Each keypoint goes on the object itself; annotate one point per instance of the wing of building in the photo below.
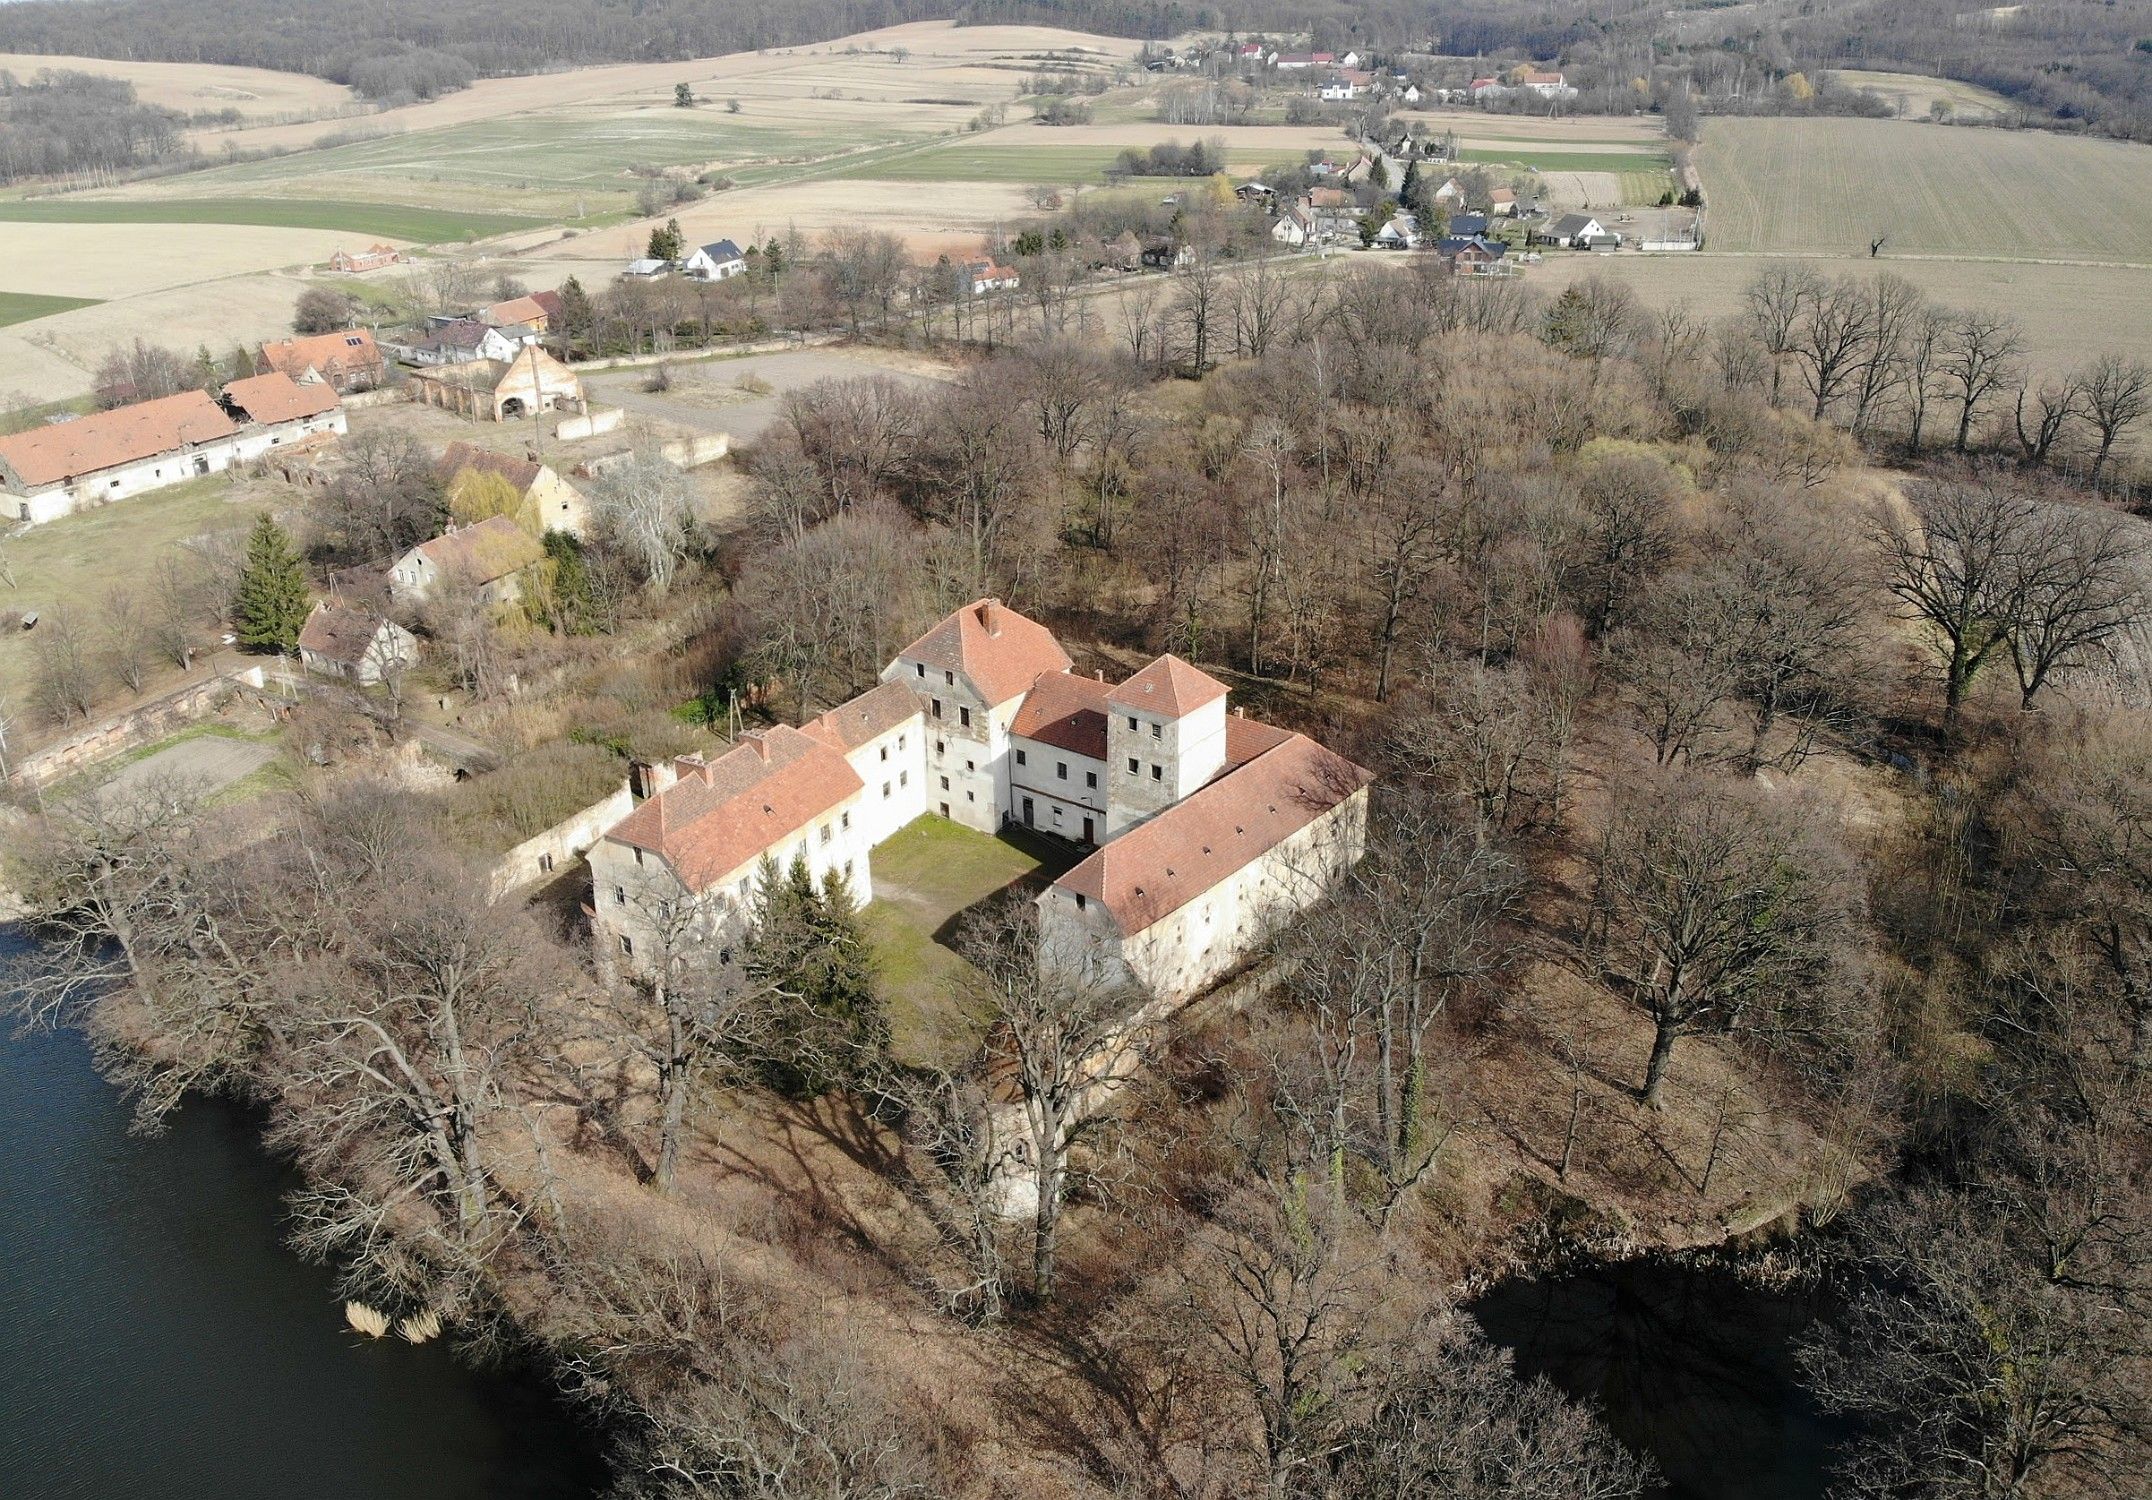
(1205, 829)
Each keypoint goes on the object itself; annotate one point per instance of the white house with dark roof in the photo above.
(720, 261)
(1207, 829)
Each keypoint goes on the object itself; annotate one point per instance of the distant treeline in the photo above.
(58, 122)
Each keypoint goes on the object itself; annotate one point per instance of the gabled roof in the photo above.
(1571, 224)
(459, 455)
(729, 812)
(464, 333)
(126, 434)
(1458, 244)
(340, 633)
(551, 302)
(1067, 712)
(867, 717)
(481, 554)
(1169, 688)
(341, 350)
(276, 397)
(1156, 868)
(1001, 652)
(515, 311)
(723, 250)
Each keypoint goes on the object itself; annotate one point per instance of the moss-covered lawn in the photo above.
(924, 878)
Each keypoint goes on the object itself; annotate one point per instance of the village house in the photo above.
(459, 341)
(489, 558)
(1338, 90)
(356, 645)
(1475, 255)
(1465, 226)
(501, 390)
(1451, 194)
(1577, 232)
(554, 504)
(372, 258)
(1294, 226)
(61, 467)
(1208, 828)
(1546, 85)
(984, 276)
(1400, 232)
(1167, 254)
(720, 261)
(348, 359)
(521, 318)
(1292, 62)
(1502, 201)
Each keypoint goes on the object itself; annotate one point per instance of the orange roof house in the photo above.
(1002, 653)
(348, 359)
(276, 397)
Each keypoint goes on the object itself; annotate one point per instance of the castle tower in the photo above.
(1165, 737)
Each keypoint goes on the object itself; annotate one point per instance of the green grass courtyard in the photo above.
(925, 877)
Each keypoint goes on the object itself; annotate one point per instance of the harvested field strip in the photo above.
(1053, 164)
(1568, 161)
(390, 220)
(1827, 186)
(21, 307)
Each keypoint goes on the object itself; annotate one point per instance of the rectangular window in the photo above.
(825, 833)
(1157, 730)
(904, 778)
(1020, 758)
(1132, 721)
(627, 944)
(1158, 772)
(900, 742)
(963, 716)
(920, 668)
(620, 895)
(1080, 902)
(885, 752)
(1061, 769)
(1132, 765)
(945, 783)
(1090, 779)
(937, 708)
(971, 765)
(885, 789)
(949, 678)
(638, 854)
(845, 819)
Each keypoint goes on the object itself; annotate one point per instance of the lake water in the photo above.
(1688, 1363)
(158, 1339)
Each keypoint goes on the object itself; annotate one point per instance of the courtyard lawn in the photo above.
(394, 221)
(21, 307)
(924, 878)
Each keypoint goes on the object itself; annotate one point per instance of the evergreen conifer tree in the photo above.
(808, 950)
(271, 606)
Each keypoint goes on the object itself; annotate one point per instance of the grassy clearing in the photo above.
(1644, 188)
(1825, 186)
(924, 877)
(21, 307)
(74, 562)
(390, 220)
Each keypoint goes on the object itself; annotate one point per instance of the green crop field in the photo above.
(1050, 164)
(21, 307)
(391, 220)
(1826, 186)
(1568, 161)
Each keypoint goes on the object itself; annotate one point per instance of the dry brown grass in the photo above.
(257, 93)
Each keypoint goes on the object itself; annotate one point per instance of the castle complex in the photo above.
(1205, 828)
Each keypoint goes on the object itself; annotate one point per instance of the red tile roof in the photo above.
(1168, 687)
(1002, 652)
(276, 397)
(1067, 712)
(126, 434)
(514, 313)
(867, 717)
(1156, 868)
(346, 349)
(725, 814)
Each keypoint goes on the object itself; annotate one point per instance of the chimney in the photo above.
(990, 615)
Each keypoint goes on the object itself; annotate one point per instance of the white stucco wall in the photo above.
(1060, 804)
(1195, 945)
(894, 767)
(1153, 761)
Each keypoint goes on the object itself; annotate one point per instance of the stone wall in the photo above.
(138, 726)
(542, 856)
(593, 422)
